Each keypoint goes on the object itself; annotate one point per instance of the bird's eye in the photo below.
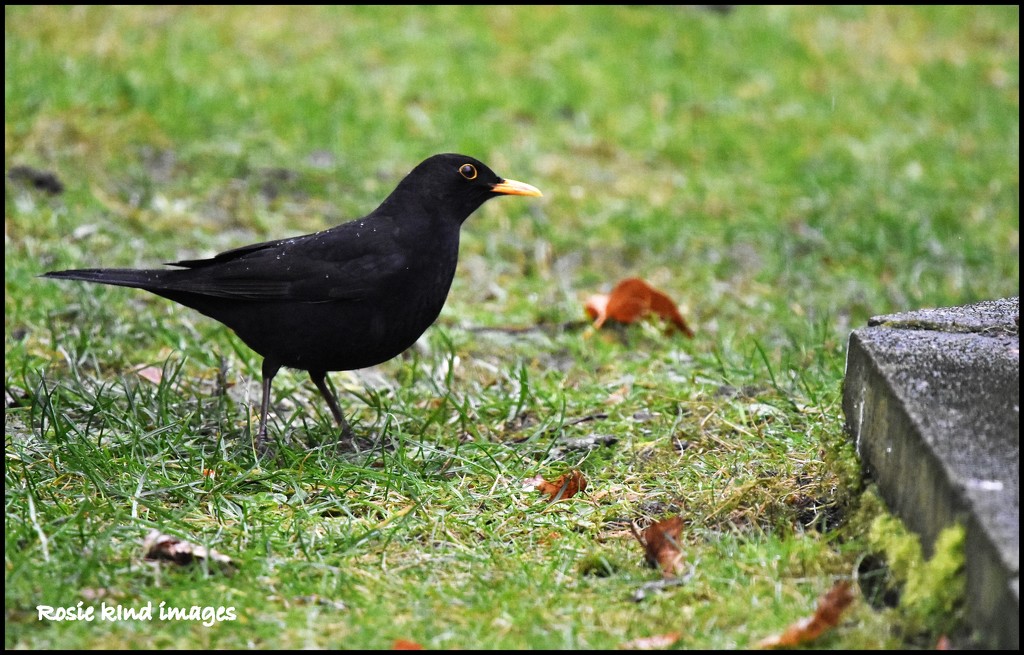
(468, 171)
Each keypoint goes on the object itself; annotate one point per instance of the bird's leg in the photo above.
(270, 369)
(320, 380)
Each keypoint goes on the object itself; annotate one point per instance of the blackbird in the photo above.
(348, 297)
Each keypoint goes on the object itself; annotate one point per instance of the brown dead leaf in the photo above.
(159, 546)
(631, 300)
(566, 486)
(826, 617)
(405, 644)
(656, 642)
(661, 545)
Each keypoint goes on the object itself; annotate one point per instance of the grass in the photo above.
(783, 173)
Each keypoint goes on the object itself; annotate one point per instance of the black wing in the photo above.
(348, 262)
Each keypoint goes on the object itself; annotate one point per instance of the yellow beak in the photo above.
(514, 188)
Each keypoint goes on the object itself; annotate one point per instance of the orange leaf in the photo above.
(631, 300)
(826, 617)
(661, 544)
(405, 644)
(596, 307)
(564, 487)
(652, 643)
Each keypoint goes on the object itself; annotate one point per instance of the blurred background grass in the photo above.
(845, 161)
(782, 172)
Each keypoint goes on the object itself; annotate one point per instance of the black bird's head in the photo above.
(457, 185)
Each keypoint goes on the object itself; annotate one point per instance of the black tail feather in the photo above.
(121, 277)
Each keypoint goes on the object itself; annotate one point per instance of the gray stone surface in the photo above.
(932, 399)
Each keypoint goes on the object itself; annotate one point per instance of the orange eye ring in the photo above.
(468, 171)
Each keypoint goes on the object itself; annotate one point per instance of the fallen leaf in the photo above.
(656, 642)
(631, 300)
(661, 545)
(405, 644)
(152, 374)
(159, 546)
(566, 486)
(826, 617)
